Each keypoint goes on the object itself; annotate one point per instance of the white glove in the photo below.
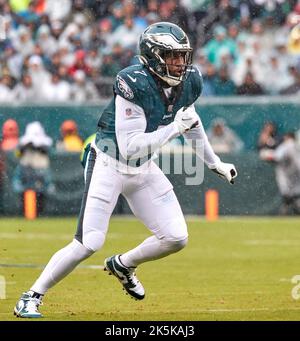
(225, 171)
(186, 119)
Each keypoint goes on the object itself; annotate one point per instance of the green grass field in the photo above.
(234, 269)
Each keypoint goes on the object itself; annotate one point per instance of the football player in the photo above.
(153, 103)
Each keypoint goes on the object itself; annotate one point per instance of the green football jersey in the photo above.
(137, 85)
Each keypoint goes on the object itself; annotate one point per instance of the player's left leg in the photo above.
(102, 188)
(152, 200)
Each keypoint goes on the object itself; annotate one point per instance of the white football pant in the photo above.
(151, 198)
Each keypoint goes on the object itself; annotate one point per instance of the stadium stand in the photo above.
(48, 42)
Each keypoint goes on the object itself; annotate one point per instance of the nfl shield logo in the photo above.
(128, 112)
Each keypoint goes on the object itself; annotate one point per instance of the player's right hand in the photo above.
(186, 119)
(226, 171)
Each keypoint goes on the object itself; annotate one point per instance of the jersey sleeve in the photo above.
(197, 138)
(129, 87)
(131, 124)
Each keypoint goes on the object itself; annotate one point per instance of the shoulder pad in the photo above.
(196, 80)
(132, 82)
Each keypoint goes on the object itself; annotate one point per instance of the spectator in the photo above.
(14, 61)
(209, 79)
(38, 74)
(33, 171)
(56, 29)
(268, 138)
(96, 40)
(10, 135)
(129, 33)
(25, 91)
(258, 34)
(64, 74)
(226, 12)
(249, 86)
(24, 44)
(82, 90)
(224, 86)
(67, 58)
(68, 34)
(284, 59)
(93, 60)
(173, 11)
(223, 139)
(287, 171)
(271, 82)
(109, 68)
(105, 33)
(46, 41)
(70, 140)
(201, 61)
(84, 30)
(54, 63)
(294, 88)
(225, 60)
(58, 9)
(116, 17)
(29, 15)
(217, 44)
(121, 57)
(249, 62)
(6, 93)
(294, 41)
(56, 90)
(80, 63)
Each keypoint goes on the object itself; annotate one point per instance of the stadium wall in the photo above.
(255, 191)
(246, 115)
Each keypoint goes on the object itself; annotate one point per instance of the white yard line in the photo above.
(223, 310)
(41, 266)
(200, 311)
(50, 236)
(30, 236)
(266, 242)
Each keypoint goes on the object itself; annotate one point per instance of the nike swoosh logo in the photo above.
(186, 119)
(120, 275)
(20, 306)
(133, 79)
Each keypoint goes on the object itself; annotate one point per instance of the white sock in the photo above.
(150, 249)
(60, 265)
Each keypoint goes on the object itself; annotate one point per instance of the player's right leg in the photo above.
(152, 200)
(102, 188)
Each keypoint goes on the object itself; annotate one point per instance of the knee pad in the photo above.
(93, 240)
(175, 234)
(175, 245)
(81, 251)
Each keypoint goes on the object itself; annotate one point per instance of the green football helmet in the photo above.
(160, 43)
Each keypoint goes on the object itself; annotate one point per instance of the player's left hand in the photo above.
(186, 119)
(226, 171)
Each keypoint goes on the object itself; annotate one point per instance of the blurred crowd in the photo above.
(70, 50)
(32, 150)
(284, 152)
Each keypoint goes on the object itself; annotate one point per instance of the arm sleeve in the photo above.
(131, 124)
(197, 138)
(280, 153)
